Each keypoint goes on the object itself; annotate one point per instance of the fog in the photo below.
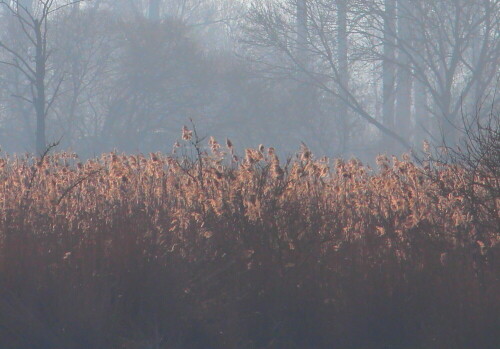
(345, 77)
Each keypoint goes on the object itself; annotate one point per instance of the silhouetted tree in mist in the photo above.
(33, 63)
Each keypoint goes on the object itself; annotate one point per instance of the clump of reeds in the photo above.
(221, 251)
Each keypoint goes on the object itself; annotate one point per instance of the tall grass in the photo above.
(211, 251)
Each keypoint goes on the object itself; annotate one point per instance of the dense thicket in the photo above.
(206, 250)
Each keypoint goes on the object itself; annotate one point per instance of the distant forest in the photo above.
(346, 77)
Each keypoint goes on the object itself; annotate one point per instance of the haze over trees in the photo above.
(345, 77)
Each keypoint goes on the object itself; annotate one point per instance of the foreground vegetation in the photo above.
(205, 250)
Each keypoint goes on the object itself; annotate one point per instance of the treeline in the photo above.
(209, 249)
(346, 77)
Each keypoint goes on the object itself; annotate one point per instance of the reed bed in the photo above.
(203, 249)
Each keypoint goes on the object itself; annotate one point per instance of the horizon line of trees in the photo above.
(347, 77)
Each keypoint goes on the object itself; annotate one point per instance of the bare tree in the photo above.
(271, 27)
(389, 68)
(435, 53)
(404, 78)
(344, 76)
(86, 54)
(33, 21)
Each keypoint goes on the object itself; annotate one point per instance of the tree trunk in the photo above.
(303, 92)
(448, 122)
(40, 97)
(423, 121)
(301, 31)
(389, 71)
(404, 78)
(476, 47)
(343, 71)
